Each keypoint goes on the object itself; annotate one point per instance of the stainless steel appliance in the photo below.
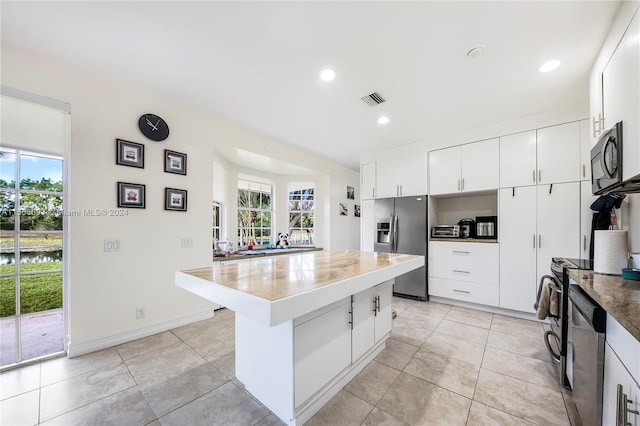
(467, 228)
(445, 231)
(401, 227)
(606, 161)
(487, 227)
(585, 355)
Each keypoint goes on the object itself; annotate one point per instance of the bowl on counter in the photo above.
(631, 274)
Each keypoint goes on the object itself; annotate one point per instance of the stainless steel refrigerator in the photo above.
(401, 227)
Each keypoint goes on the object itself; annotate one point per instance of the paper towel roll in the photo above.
(610, 252)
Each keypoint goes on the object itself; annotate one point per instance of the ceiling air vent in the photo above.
(373, 99)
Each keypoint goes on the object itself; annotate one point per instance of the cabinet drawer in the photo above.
(465, 269)
(479, 252)
(467, 291)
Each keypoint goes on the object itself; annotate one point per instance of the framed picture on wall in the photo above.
(175, 162)
(356, 210)
(351, 193)
(131, 195)
(175, 199)
(129, 154)
(343, 209)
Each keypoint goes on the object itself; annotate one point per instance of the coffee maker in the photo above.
(487, 227)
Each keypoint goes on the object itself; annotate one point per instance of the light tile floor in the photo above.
(444, 365)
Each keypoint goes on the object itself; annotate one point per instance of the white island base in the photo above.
(296, 367)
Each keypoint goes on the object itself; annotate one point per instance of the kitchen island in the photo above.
(306, 324)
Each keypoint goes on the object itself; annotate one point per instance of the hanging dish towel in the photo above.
(547, 302)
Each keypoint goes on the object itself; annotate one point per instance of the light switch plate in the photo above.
(187, 242)
(111, 245)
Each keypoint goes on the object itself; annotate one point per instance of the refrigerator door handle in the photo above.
(394, 248)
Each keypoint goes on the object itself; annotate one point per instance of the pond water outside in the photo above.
(31, 257)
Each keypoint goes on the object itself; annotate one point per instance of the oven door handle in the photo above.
(547, 334)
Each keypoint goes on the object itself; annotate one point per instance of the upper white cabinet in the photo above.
(548, 155)
(621, 99)
(368, 181)
(402, 172)
(559, 153)
(585, 151)
(466, 168)
(518, 159)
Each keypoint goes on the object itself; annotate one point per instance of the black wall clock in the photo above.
(153, 127)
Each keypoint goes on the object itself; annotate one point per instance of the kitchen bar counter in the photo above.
(306, 324)
(619, 297)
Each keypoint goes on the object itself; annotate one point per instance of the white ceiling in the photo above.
(258, 63)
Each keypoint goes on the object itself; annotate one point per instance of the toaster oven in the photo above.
(445, 231)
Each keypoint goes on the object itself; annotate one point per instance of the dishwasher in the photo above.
(585, 351)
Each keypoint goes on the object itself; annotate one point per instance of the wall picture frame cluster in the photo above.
(133, 195)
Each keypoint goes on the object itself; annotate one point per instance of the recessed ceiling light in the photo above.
(549, 66)
(383, 119)
(328, 74)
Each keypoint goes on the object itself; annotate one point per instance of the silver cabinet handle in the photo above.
(622, 408)
(460, 252)
(584, 170)
(534, 240)
(534, 176)
(461, 291)
(463, 184)
(595, 122)
(539, 175)
(584, 244)
(460, 272)
(351, 316)
(375, 307)
(458, 184)
(373, 192)
(400, 189)
(539, 241)
(378, 303)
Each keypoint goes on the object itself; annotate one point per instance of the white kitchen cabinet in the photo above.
(585, 151)
(614, 409)
(535, 223)
(371, 316)
(518, 159)
(558, 153)
(466, 168)
(586, 217)
(621, 95)
(401, 172)
(322, 349)
(517, 231)
(596, 119)
(367, 225)
(368, 181)
(464, 271)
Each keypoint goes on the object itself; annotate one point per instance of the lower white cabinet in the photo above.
(620, 394)
(464, 271)
(371, 316)
(322, 349)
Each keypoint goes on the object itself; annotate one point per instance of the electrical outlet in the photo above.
(111, 245)
(141, 312)
(187, 242)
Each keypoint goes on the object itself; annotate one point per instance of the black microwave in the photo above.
(606, 161)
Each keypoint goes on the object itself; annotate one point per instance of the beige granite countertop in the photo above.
(619, 297)
(277, 277)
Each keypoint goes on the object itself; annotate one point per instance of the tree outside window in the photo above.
(301, 217)
(254, 213)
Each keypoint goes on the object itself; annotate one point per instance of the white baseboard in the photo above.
(77, 349)
(486, 308)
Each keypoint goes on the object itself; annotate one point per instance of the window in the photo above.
(254, 213)
(301, 217)
(217, 207)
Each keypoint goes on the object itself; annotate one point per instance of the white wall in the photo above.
(105, 288)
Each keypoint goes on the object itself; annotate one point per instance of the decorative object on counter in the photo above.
(283, 240)
(175, 199)
(129, 154)
(175, 162)
(631, 274)
(131, 195)
(250, 244)
(223, 249)
(356, 210)
(610, 252)
(153, 127)
(351, 193)
(343, 209)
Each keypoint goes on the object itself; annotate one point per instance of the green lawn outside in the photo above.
(32, 241)
(39, 292)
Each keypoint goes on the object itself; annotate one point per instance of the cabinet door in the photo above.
(411, 170)
(595, 106)
(615, 373)
(585, 151)
(480, 165)
(368, 181)
(444, 171)
(621, 86)
(586, 216)
(362, 335)
(387, 182)
(367, 225)
(518, 159)
(517, 232)
(559, 153)
(322, 349)
(558, 222)
(383, 319)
